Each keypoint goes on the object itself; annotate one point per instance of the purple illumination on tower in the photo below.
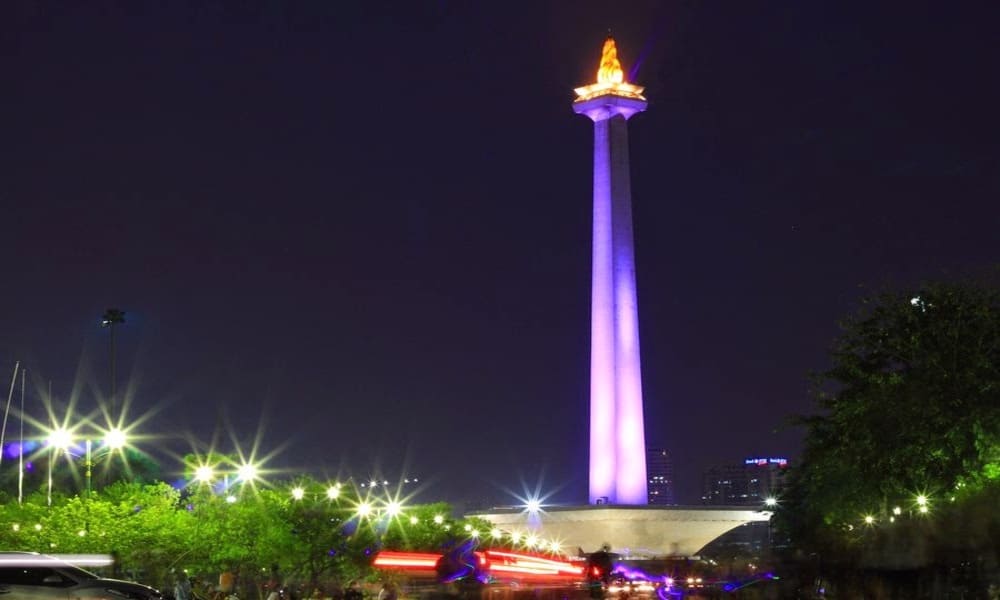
(617, 435)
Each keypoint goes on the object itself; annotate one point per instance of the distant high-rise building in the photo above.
(751, 482)
(660, 476)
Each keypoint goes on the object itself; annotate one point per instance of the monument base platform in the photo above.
(632, 531)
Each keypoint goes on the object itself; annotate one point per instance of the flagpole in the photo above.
(20, 447)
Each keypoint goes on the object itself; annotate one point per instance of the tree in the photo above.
(910, 431)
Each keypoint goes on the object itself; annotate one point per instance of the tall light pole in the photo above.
(112, 317)
(59, 440)
(114, 440)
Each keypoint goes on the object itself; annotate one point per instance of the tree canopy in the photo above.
(910, 421)
(314, 537)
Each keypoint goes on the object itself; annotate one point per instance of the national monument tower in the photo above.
(617, 438)
(617, 434)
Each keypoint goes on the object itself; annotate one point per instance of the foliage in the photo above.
(911, 409)
(156, 531)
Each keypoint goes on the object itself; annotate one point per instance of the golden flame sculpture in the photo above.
(610, 78)
(610, 70)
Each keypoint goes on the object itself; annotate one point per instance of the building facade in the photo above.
(749, 483)
(660, 474)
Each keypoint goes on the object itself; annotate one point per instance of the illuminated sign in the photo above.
(763, 462)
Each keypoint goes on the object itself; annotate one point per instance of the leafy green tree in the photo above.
(69, 470)
(910, 428)
(313, 536)
(313, 544)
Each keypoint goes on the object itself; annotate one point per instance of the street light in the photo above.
(59, 439)
(204, 474)
(393, 508)
(247, 472)
(114, 440)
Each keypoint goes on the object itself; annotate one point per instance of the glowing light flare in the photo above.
(869, 520)
(771, 502)
(496, 533)
(115, 439)
(393, 508)
(204, 474)
(493, 561)
(498, 557)
(364, 509)
(533, 505)
(409, 560)
(921, 500)
(438, 519)
(333, 492)
(525, 570)
(247, 472)
(60, 438)
(298, 493)
(80, 560)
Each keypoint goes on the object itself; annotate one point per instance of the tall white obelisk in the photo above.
(617, 434)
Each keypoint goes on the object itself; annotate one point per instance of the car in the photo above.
(32, 576)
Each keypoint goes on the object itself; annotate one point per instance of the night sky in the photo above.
(360, 232)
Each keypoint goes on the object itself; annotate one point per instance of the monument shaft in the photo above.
(617, 435)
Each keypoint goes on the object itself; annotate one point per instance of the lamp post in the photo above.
(59, 439)
(113, 440)
(112, 317)
(206, 474)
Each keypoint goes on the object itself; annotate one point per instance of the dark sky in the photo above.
(363, 228)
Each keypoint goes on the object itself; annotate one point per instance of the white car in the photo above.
(30, 576)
